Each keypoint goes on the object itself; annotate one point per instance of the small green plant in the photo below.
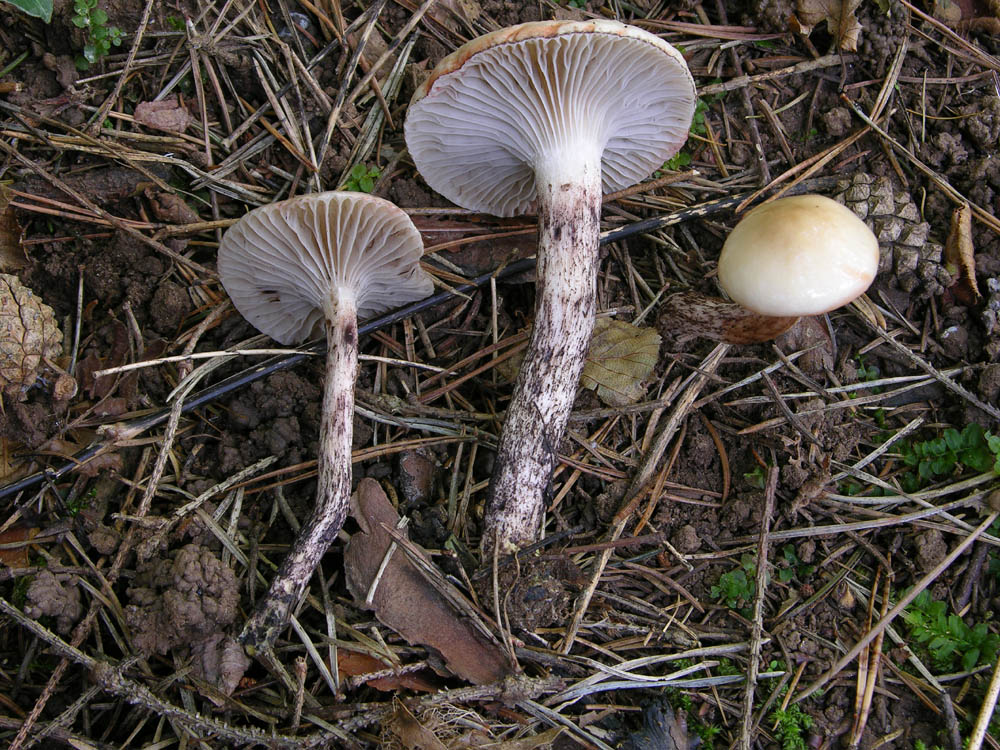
(698, 121)
(790, 725)
(736, 588)
(867, 373)
(82, 502)
(948, 639)
(792, 566)
(362, 179)
(678, 161)
(37, 8)
(100, 36)
(972, 448)
(756, 478)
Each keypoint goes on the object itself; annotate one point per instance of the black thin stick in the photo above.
(282, 362)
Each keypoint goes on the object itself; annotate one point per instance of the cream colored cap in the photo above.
(802, 255)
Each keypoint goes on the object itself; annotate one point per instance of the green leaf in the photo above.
(367, 184)
(970, 659)
(953, 439)
(98, 17)
(35, 8)
(90, 53)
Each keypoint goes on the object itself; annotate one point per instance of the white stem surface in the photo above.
(569, 210)
(334, 491)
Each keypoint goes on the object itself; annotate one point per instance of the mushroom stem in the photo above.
(569, 209)
(334, 490)
(688, 315)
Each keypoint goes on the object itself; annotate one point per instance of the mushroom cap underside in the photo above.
(282, 263)
(479, 126)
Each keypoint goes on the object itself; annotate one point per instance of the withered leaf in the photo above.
(960, 255)
(171, 208)
(621, 357)
(689, 315)
(411, 733)
(14, 546)
(409, 598)
(170, 115)
(12, 255)
(839, 17)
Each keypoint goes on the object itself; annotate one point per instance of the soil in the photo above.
(144, 287)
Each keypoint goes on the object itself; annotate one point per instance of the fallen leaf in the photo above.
(411, 733)
(621, 357)
(688, 315)
(839, 17)
(171, 208)
(170, 115)
(412, 597)
(16, 556)
(12, 255)
(960, 255)
(354, 663)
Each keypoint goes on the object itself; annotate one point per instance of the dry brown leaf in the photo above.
(621, 357)
(839, 17)
(12, 255)
(411, 733)
(16, 556)
(960, 255)
(170, 115)
(409, 598)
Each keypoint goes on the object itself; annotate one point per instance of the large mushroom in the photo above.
(548, 115)
(294, 269)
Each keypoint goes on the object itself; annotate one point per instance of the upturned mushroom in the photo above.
(294, 269)
(548, 115)
(796, 256)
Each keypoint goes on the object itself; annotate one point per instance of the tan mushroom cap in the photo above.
(802, 255)
(281, 263)
(489, 111)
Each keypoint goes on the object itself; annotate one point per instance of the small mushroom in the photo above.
(796, 256)
(293, 269)
(548, 115)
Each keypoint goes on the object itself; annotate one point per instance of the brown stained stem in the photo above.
(569, 209)
(334, 491)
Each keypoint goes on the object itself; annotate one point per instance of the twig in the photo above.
(986, 712)
(645, 473)
(757, 628)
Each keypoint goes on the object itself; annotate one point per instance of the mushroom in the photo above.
(548, 114)
(792, 257)
(292, 269)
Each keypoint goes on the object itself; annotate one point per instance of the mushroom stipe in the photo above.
(290, 268)
(548, 114)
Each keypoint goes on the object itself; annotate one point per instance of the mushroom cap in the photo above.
(802, 255)
(489, 111)
(281, 264)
